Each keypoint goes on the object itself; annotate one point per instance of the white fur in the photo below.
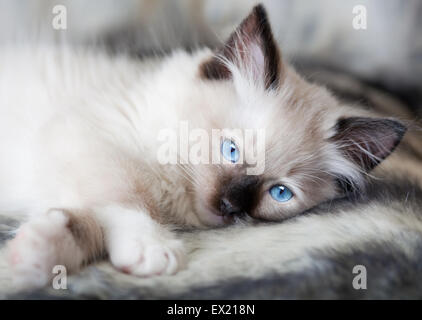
(78, 131)
(32, 256)
(138, 245)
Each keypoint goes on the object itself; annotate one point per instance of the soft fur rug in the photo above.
(311, 257)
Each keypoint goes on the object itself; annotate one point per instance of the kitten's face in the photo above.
(308, 148)
(296, 157)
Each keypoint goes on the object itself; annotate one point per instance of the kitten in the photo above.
(79, 133)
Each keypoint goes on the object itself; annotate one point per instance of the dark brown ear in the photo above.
(251, 46)
(368, 141)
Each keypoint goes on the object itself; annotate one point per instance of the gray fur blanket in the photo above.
(312, 256)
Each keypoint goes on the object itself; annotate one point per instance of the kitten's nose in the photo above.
(238, 195)
(227, 208)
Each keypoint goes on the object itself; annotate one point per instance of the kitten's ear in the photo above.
(250, 48)
(368, 141)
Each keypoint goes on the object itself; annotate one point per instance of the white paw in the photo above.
(37, 248)
(148, 257)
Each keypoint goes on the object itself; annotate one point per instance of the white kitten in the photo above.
(79, 138)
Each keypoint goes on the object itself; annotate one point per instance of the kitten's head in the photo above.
(314, 148)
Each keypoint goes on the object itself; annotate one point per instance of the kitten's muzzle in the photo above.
(227, 208)
(238, 196)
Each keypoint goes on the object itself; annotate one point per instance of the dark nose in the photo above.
(227, 208)
(238, 195)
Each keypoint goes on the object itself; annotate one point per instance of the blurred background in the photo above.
(388, 52)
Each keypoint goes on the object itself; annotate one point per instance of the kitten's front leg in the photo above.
(137, 244)
(56, 237)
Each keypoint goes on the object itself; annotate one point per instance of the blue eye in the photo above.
(281, 193)
(230, 151)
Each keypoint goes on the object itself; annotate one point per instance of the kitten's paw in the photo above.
(149, 257)
(38, 246)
